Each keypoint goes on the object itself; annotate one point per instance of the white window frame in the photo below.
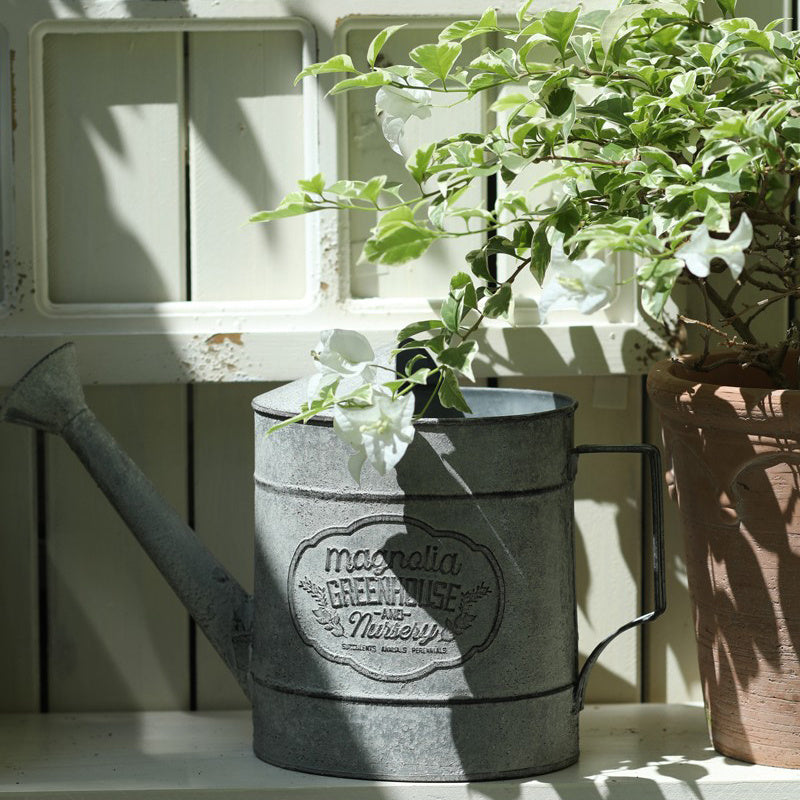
(199, 341)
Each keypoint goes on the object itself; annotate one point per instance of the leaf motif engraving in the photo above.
(328, 619)
(455, 626)
(323, 615)
(317, 592)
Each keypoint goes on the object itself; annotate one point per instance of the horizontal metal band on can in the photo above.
(325, 419)
(399, 496)
(407, 701)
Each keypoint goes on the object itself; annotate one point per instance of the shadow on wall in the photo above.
(102, 200)
(610, 520)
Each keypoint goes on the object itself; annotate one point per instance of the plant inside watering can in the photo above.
(668, 136)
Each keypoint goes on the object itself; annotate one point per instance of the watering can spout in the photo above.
(49, 398)
(49, 395)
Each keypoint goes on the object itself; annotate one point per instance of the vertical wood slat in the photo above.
(607, 526)
(246, 146)
(19, 609)
(224, 517)
(671, 656)
(114, 167)
(118, 638)
(369, 154)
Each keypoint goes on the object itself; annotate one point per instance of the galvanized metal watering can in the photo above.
(420, 626)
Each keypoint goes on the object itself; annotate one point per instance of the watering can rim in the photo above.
(564, 405)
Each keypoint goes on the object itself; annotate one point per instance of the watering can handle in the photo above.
(653, 458)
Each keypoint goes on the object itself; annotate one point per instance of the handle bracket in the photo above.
(653, 458)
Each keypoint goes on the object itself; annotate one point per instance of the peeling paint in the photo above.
(330, 273)
(16, 284)
(221, 338)
(218, 358)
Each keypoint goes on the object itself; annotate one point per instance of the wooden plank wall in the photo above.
(113, 637)
(19, 571)
(86, 621)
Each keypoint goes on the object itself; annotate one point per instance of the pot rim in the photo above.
(565, 405)
(700, 403)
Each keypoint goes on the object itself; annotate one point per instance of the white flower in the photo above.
(344, 352)
(379, 433)
(585, 284)
(701, 248)
(395, 106)
(341, 355)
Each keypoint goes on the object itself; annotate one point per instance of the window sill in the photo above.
(627, 751)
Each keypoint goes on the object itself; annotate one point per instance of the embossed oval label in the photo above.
(393, 598)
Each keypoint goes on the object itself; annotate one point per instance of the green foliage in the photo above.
(340, 63)
(450, 395)
(398, 238)
(437, 58)
(376, 45)
(656, 124)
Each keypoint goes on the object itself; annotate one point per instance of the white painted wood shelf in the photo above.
(636, 752)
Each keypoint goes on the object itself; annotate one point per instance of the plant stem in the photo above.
(729, 314)
(510, 280)
(434, 393)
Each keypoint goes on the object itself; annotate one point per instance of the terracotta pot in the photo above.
(733, 461)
